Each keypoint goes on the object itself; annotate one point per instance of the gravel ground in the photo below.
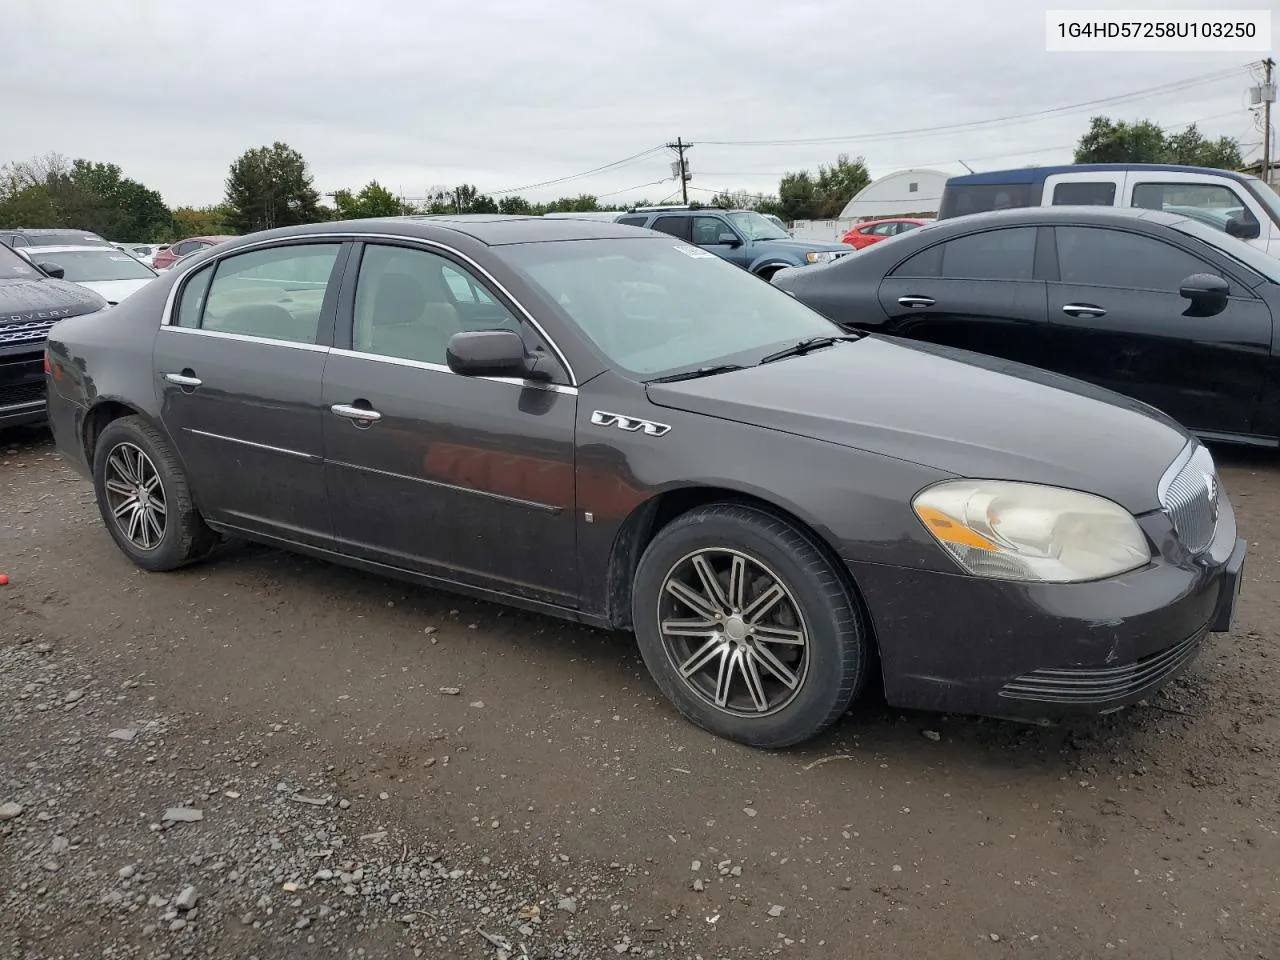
(264, 756)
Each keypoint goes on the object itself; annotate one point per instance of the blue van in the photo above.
(1236, 203)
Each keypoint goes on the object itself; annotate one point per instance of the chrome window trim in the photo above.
(166, 318)
(441, 368)
(310, 457)
(247, 338)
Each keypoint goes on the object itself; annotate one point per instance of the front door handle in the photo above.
(915, 301)
(183, 379)
(1086, 311)
(363, 416)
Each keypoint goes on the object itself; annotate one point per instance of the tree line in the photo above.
(272, 186)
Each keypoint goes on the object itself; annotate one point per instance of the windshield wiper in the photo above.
(695, 374)
(804, 346)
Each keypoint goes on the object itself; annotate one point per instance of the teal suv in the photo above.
(743, 237)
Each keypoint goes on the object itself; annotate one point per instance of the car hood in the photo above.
(115, 290)
(803, 246)
(966, 414)
(45, 299)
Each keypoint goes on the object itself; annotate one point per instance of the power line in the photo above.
(994, 121)
(586, 173)
(638, 186)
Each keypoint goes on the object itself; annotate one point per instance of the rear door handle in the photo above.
(915, 301)
(1086, 311)
(183, 380)
(363, 416)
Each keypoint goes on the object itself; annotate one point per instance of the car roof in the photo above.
(490, 229)
(1037, 174)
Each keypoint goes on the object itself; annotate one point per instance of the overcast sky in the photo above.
(502, 93)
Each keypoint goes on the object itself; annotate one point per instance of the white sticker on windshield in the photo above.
(122, 259)
(694, 252)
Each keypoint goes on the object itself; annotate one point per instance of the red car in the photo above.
(873, 231)
(167, 258)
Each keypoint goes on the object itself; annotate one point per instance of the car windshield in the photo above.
(1236, 249)
(15, 267)
(655, 307)
(1266, 196)
(756, 227)
(90, 265)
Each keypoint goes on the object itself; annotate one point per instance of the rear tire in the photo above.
(144, 497)
(746, 626)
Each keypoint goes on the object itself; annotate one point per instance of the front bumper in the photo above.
(961, 644)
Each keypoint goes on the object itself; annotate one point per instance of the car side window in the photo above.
(632, 221)
(884, 229)
(992, 255)
(707, 230)
(179, 249)
(676, 226)
(1115, 258)
(1085, 193)
(1210, 203)
(406, 307)
(191, 304)
(925, 264)
(463, 288)
(276, 293)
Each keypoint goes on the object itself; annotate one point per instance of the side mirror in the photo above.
(1207, 293)
(488, 353)
(52, 269)
(1244, 229)
(729, 239)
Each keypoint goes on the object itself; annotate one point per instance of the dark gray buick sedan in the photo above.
(613, 426)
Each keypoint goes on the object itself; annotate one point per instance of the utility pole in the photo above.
(680, 147)
(1268, 95)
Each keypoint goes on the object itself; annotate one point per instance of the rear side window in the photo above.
(992, 255)
(191, 303)
(632, 221)
(1114, 258)
(968, 198)
(926, 263)
(1085, 193)
(676, 226)
(275, 294)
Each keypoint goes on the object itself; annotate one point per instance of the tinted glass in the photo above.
(1113, 258)
(104, 264)
(406, 306)
(707, 230)
(633, 221)
(676, 226)
(192, 300)
(980, 197)
(654, 307)
(14, 266)
(993, 255)
(926, 263)
(276, 293)
(1085, 194)
(1209, 203)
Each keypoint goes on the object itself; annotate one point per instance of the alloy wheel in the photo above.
(734, 632)
(135, 496)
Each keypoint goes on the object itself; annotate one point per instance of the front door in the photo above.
(977, 292)
(1120, 322)
(239, 371)
(467, 479)
(708, 231)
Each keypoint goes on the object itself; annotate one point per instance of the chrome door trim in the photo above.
(441, 368)
(246, 338)
(310, 457)
(166, 318)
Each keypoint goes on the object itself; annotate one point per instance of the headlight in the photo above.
(821, 256)
(1026, 531)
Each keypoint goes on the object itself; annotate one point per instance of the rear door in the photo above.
(977, 292)
(1120, 322)
(238, 369)
(675, 226)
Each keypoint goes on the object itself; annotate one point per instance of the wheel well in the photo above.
(96, 421)
(768, 270)
(639, 529)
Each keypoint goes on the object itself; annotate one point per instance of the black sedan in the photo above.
(31, 301)
(1154, 305)
(609, 425)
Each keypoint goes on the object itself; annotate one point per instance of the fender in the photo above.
(771, 262)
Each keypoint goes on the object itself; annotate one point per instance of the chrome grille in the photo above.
(1189, 495)
(22, 332)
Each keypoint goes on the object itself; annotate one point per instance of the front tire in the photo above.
(144, 497)
(746, 626)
